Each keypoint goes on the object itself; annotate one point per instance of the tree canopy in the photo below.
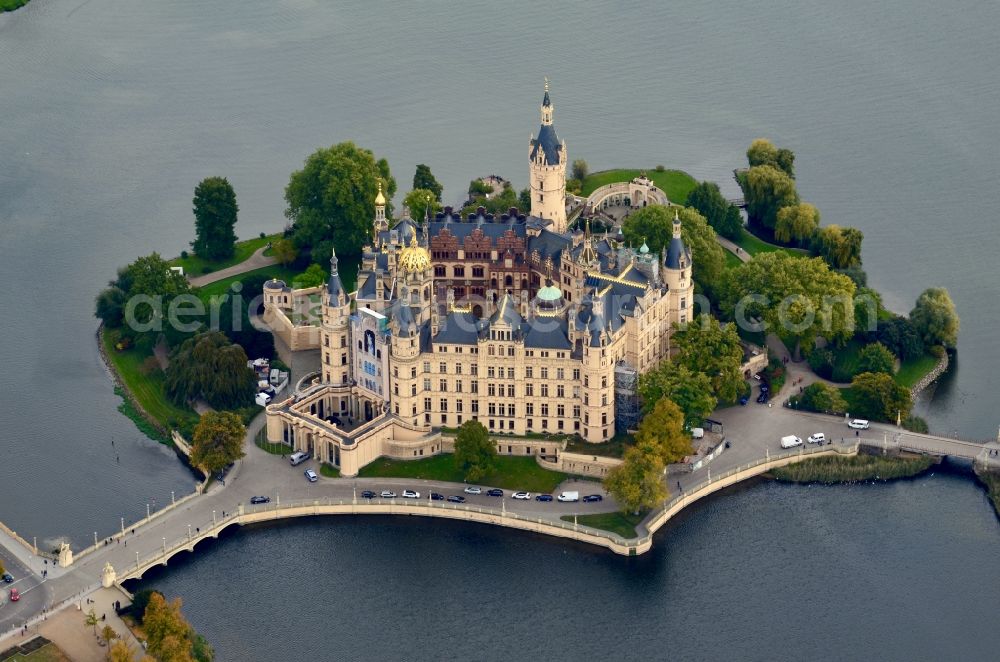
(763, 152)
(215, 211)
(875, 357)
(689, 390)
(822, 397)
(475, 453)
(877, 396)
(654, 225)
(284, 251)
(499, 202)
(796, 297)
(423, 179)
(663, 428)
(724, 218)
(637, 483)
(840, 247)
(331, 200)
(313, 276)
(796, 223)
(209, 367)
(580, 170)
(218, 441)
(934, 317)
(767, 189)
(705, 345)
(422, 204)
(900, 336)
(169, 637)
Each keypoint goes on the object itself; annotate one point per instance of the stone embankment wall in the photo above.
(928, 379)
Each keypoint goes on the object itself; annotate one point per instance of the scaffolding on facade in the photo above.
(626, 398)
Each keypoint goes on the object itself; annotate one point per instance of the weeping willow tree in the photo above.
(208, 367)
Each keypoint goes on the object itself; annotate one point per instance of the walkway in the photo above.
(733, 248)
(256, 261)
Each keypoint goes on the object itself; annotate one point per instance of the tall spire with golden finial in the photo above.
(380, 222)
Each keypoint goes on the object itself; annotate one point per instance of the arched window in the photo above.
(508, 281)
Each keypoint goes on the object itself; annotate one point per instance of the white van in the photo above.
(568, 496)
(858, 424)
(263, 399)
(697, 433)
(791, 441)
(298, 457)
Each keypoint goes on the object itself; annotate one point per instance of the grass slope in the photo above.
(830, 470)
(754, 245)
(912, 371)
(622, 524)
(196, 266)
(512, 473)
(677, 184)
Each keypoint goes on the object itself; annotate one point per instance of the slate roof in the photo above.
(549, 143)
(459, 328)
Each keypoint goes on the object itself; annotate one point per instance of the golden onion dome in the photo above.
(413, 258)
(380, 199)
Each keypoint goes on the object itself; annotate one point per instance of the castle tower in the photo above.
(381, 224)
(547, 170)
(335, 330)
(677, 276)
(417, 281)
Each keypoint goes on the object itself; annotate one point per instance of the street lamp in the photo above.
(147, 511)
(95, 538)
(123, 526)
(189, 532)
(164, 544)
(171, 497)
(137, 561)
(213, 518)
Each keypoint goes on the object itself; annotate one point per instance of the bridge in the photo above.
(753, 433)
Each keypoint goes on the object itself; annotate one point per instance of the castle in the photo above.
(511, 320)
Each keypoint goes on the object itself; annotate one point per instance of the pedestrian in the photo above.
(126, 543)
(112, 442)
(104, 617)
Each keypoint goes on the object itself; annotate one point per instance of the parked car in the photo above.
(411, 494)
(387, 494)
(437, 497)
(757, 376)
(311, 475)
(15, 595)
(260, 499)
(524, 496)
(817, 438)
(456, 499)
(367, 494)
(7, 577)
(858, 424)
(590, 498)
(473, 490)
(543, 497)
(762, 398)
(298, 457)
(569, 496)
(790, 441)
(495, 492)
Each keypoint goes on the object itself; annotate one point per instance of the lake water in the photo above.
(113, 110)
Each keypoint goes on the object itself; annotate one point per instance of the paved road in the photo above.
(255, 261)
(33, 589)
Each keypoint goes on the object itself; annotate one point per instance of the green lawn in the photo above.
(675, 183)
(272, 271)
(753, 245)
(147, 389)
(196, 266)
(47, 653)
(912, 371)
(512, 473)
(621, 524)
(329, 470)
(732, 260)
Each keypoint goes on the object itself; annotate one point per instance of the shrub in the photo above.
(821, 362)
(206, 269)
(660, 168)
(184, 255)
(914, 423)
(263, 235)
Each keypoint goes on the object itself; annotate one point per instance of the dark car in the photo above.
(495, 492)
(367, 494)
(543, 497)
(592, 497)
(456, 499)
(7, 577)
(764, 388)
(762, 398)
(260, 499)
(437, 497)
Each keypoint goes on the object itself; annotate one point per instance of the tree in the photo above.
(423, 179)
(901, 337)
(705, 345)
(92, 620)
(215, 211)
(654, 225)
(868, 308)
(580, 169)
(799, 298)
(767, 189)
(166, 629)
(108, 634)
(822, 398)
(121, 651)
(663, 428)
(637, 483)
(218, 441)
(879, 397)
(284, 251)
(331, 200)
(209, 367)
(139, 603)
(763, 152)
(876, 358)
(934, 317)
(314, 276)
(475, 453)
(840, 247)
(691, 391)
(422, 204)
(796, 223)
(722, 216)
(110, 306)
(524, 200)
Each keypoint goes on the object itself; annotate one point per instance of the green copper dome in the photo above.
(644, 249)
(549, 293)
